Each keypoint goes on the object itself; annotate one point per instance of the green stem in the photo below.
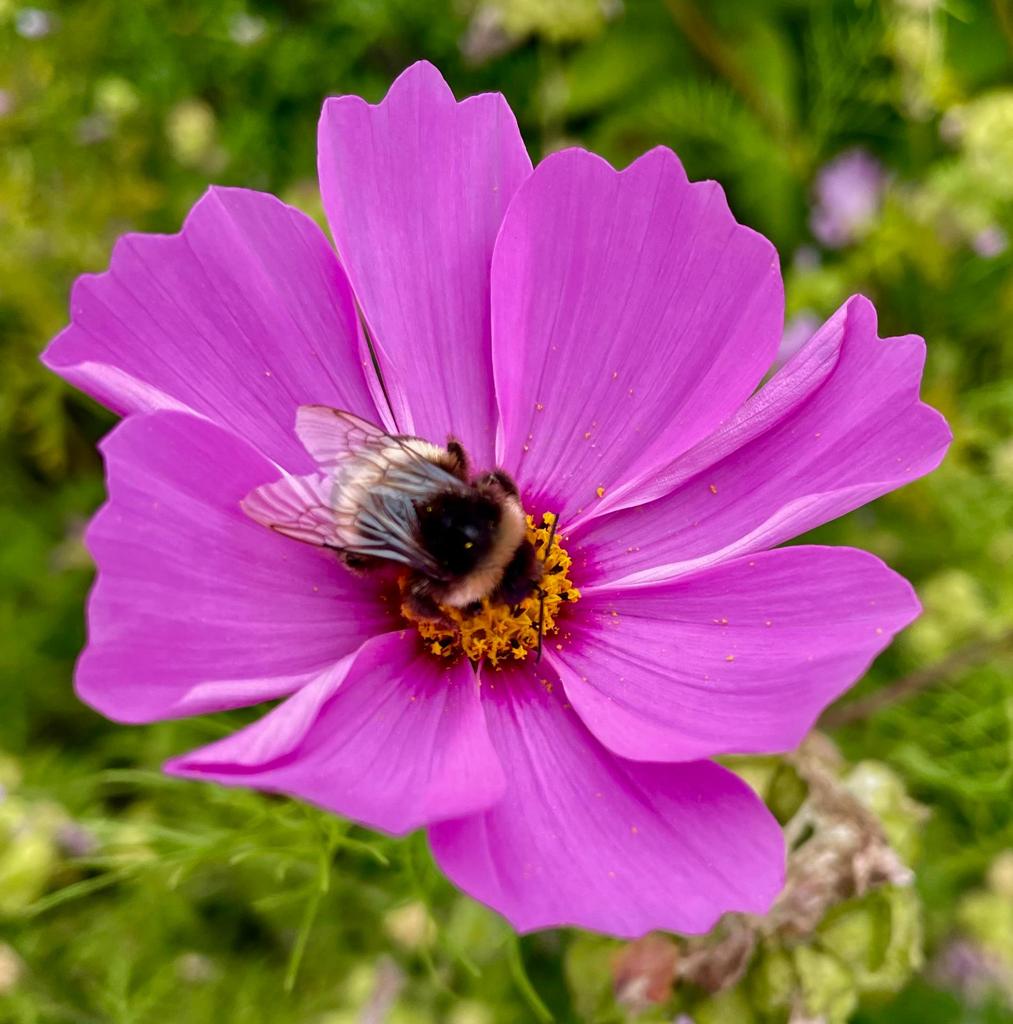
(977, 651)
(312, 908)
(523, 982)
(299, 949)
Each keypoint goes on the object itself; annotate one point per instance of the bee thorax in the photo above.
(487, 573)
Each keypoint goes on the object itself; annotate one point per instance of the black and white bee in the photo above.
(379, 499)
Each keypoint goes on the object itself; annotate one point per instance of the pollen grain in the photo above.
(498, 633)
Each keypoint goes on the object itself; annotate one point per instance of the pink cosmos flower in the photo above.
(599, 335)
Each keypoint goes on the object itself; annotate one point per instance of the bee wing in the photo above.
(387, 527)
(383, 525)
(333, 436)
(299, 507)
(364, 500)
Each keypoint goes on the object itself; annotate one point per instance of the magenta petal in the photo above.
(584, 838)
(241, 317)
(391, 737)
(737, 658)
(839, 425)
(197, 607)
(631, 316)
(415, 188)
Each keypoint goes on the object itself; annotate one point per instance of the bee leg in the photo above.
(498, 483)
(499, 480)
(358, 564)
(421, 602)
(520, 577)
(459, 466)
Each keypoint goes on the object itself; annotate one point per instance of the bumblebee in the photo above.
(379, 499)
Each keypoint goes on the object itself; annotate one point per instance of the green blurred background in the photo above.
(873, 142)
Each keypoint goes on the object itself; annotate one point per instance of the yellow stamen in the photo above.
(499, 632)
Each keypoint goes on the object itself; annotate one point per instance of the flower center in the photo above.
(499, 633)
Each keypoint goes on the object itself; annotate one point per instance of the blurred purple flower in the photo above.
(75, 840)
(848, 194)
(976, 973)
(990, 242)
(600, 336)
(807, 258)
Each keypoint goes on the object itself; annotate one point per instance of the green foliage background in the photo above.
(129, 898)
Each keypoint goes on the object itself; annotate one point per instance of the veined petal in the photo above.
(415, 188)
(838, 426)
(196, 607)
(391, 738)
(241, 317)
(632, 315)
(585, 838)
(738, 658)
